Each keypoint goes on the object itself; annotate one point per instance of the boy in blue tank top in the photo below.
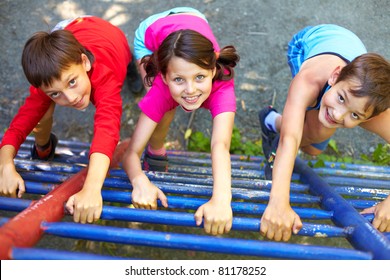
(336, 84)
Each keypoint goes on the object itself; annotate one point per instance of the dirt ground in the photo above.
(260, 30)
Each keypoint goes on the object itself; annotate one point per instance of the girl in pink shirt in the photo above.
(183, 66)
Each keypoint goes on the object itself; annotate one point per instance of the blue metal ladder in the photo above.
(331, 197)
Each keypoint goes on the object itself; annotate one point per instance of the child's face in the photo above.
(189, 84)
(339, 108)
(73, 89)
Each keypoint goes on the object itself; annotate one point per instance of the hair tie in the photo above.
(216, 55)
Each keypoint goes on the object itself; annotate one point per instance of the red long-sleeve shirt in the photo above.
(111, 52)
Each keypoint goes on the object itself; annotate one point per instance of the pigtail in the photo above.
(151, 68)
(226, 59)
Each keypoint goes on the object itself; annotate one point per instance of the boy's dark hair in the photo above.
(194, 48)
(372, 72)
(46, 55)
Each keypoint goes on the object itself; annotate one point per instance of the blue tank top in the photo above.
(319, 98)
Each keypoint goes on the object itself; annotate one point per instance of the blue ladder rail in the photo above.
(333, 194)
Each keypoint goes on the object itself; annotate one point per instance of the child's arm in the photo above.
(145, 194)
(28, 116)
(279, 219)
(217, 212)
(379, 125)
(382, 215)
(86, 205)
(10, 180)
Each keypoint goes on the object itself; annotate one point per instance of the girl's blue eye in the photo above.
(200, 77)
(178, 80)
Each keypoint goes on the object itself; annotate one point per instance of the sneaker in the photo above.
(270, 141)
(270, 158)
(154, 162)
(133, 78)
(53, 144)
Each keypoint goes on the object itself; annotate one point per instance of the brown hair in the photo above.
(46, 55)
(194, 48)
(372, 72)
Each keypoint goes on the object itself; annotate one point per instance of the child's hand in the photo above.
(10, 181)
(278, 221)
(382, 215)
(217, 217)
(145, 195)
(85, 206)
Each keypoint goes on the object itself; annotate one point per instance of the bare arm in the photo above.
(217, 212)
(279, 219)
(379, 125)
(144, 194)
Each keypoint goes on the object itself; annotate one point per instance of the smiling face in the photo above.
(73, 89)
(340, 108)
(189, 84)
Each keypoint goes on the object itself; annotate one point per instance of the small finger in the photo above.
(382, 227)
(207, 226)
(221, 229)
(83, 216)
(263, 229)
(228, 227)
(286, 235)
(270, 233)
(376, 222)
(368, 210)
(278, 235)
(76, 215)
(214, 229)
(96, 215)
(12, 194)
(153, 205)
(90, 218)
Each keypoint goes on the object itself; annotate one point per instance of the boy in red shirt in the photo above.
(80, 61)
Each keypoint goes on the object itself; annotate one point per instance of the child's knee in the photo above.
(310, 150)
